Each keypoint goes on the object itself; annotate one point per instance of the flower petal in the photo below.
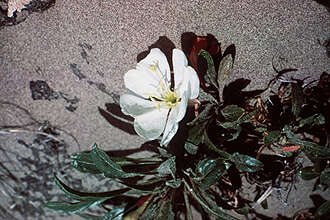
(133, 105)
(171, 127)
(192, 78)
(156, 56)
(180, 62)
(183, 104)
(141, 83)
(151, 124)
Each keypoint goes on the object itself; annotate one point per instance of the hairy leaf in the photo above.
(74, 194)
(225, 68)
(245, 163)
(211, 74)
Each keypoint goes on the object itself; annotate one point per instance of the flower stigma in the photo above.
(167, 98)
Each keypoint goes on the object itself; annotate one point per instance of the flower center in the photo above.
(167, 98)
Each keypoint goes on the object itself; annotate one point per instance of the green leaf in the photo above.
(73, 207)
(195, 133)
(272, 137)
(191, 148)
(89, 216)
(151, 211)
(212, 147)
(211, 74)
(115, 213)
(308, 173)
(289, 131)
(165, 210)
(245, 163)
(312, 150)
(209, 172)
(243, 211)
(236, 134)
(205, 115)
(109, 167)
(207, 203)
(225, 68)
(167, 168)
(174, 183)
(232, 112)
(325, 177)
(324, 209)
(316, 119)
(74, 194)
(84, 163)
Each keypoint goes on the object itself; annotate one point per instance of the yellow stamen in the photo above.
(167, 99)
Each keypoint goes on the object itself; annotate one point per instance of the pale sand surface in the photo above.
(288, 31)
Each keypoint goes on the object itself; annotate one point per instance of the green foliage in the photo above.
(215, 148)
(209, 172)
(245, 163)
(108, 167)
(211, 75)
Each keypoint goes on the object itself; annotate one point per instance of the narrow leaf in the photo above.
(74, 194)
(84, 163)
(72, 207)
(107, 166)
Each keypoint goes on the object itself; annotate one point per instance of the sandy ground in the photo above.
(100, 40)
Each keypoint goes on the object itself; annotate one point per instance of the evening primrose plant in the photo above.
(205, 139)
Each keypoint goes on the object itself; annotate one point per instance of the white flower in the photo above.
(155, 106)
